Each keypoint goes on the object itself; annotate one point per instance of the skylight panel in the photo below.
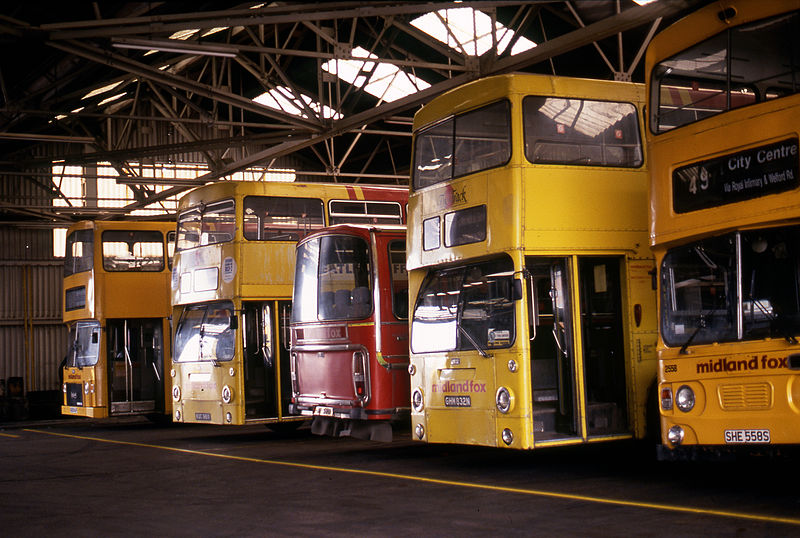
(281, 98)
(102, 89)
(184, 34)
(112, 98)
(469, 31)
(386, 82)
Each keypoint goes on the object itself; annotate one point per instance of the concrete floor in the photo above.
(129, 477)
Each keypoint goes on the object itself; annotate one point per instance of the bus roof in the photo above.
(163, 225)
(230, 189)
(486, 90)
(356, 229)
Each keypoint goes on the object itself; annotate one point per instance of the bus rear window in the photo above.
(332, 279)
(129, 250)
(581, 132)
(278, 218)
(364, 212)
(79, 253)
(741, 66)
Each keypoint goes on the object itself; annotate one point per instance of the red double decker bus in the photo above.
(350, 331)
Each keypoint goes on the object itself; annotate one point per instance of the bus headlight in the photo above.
(412, 369)
(176, 393)
(684, 398)
(503, 400)
(64, 388)
(507, 436)
(86, 387)
(675, 435)
(228, 417)
(416, 401)
(419, 431)
(227, 394)
(178, 415)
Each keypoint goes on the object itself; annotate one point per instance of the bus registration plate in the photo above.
(323, 411)
(746, 436)
(458, 401)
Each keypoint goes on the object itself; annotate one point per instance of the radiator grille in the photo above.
(745, 396)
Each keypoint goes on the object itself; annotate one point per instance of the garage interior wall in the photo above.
(33, 338)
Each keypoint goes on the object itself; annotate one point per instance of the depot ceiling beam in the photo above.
(269, 15)
(607, 27)
(126, 64)
(34, 137)
(624, 21)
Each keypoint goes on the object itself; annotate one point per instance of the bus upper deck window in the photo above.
(133, 250)
(740, 66)
(581, 132)
(79, 254)
(206, 225)
(467, 143)
(280, 218)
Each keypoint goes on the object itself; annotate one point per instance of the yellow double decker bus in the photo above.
(232, 290)
(533, 309)
(116, 304)
(724, 117)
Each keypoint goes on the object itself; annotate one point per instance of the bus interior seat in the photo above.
(341, 304)
(361, 302)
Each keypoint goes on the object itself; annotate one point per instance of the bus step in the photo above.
(604, 417)
(544, 419)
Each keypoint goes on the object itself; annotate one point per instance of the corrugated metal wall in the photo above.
(33, 338)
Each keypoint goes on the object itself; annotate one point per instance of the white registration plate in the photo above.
(747, 436)
(458, 401)
(323, 411)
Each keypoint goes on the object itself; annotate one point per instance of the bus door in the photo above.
(603, 345)
(552, 351)
(557, 410)
(266, 358)
(135, 352)
(259, 359)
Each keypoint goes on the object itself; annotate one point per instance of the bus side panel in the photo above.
(641, 316)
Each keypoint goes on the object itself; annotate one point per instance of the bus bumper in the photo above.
(93, 412)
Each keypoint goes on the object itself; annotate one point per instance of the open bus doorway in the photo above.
(136, 365)
(556, 371)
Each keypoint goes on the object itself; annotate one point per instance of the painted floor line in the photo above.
(444, 482)
(8, 435)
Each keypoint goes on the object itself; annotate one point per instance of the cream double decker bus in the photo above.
(533, 318)
(724, 124)
(232, 290)
(116, 304)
